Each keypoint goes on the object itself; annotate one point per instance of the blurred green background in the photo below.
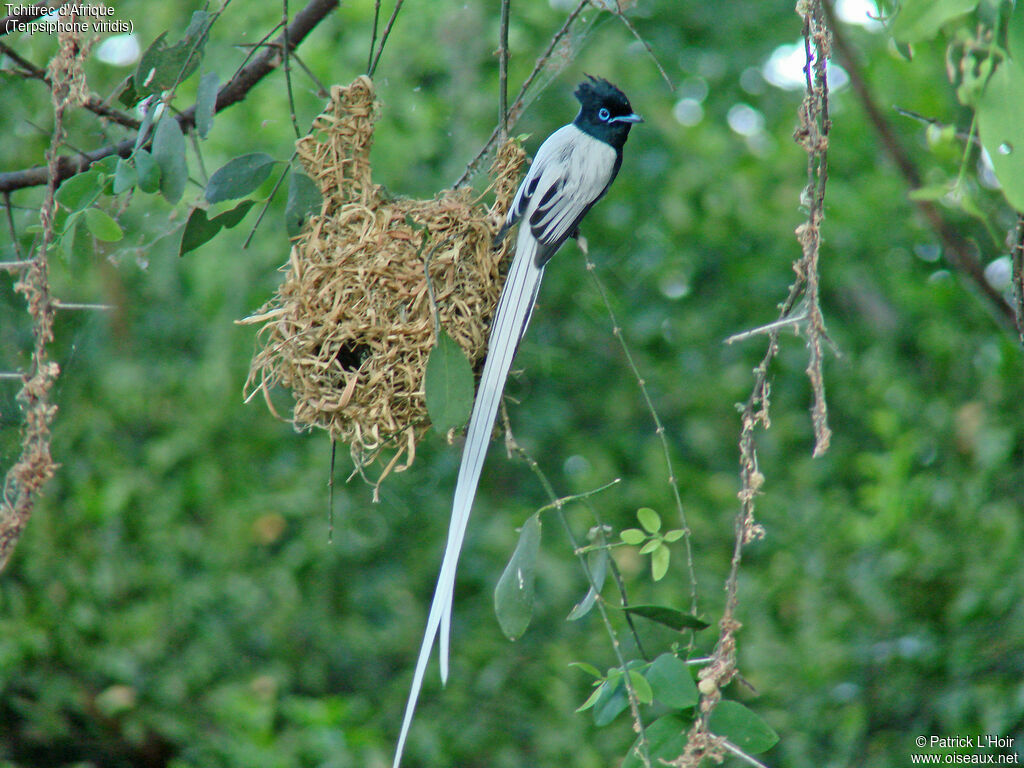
(175, 600)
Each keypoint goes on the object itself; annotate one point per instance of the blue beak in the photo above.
(630, 118)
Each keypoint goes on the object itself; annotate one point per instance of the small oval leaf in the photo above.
(124, 177)
(659, 562)
(611, 700)
(633, 536)
(671, 682)
(238, 177)
(448, 385)
(102, 226)
(513, 595)
(598, 565)
(206, 103)
(304, 199)
(649, 519)
(78, 192)
(169, 154)
(742, 727)
(641, 687)
(147, 171)
(198, 230)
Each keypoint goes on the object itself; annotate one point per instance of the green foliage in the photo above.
(514, 595)
(742, 727)
(239, 177)
(919, 20)
(175, 598)
(448, 384)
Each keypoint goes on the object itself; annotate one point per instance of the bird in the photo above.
(571, 171)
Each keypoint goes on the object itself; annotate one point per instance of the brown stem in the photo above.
(232, 92)
(956, 250)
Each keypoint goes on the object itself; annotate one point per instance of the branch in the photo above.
(40, 9)
(517, 106)
(232, 92)
(957, 251)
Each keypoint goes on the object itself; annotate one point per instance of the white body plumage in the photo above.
(571, 171)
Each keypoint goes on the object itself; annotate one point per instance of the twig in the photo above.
(266, 205)
(286, 52)
(503, 71)
(321, 89)
(14, 239)
(93, 104)
(774, 327)
(31, 13)
(35, 466)
(730, 747)
(58, 304)
(955, 249)
(12, 376)
(513, 112)
(232, 92)
(647, 46)
(384, 37)
(812, 135)
(659, 430)
(557, 504)
(13, 266)
(373, 36)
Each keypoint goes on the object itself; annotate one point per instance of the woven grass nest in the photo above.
(350, 328)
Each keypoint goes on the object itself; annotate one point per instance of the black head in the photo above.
(605, 112)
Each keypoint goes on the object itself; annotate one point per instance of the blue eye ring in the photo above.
(603, 114)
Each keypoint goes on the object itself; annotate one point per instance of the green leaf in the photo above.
(591, 699)
(674, 535)
(238, 177)
(448, 385)
(233, 217)
(650, 546)
(513, 595)
(610, 701)
(920, 20)
(198, 230)
(659, 562)
(124, 176)
(79, 191)
(102, 226)
(303, 200)
(1015, 34)
(742, 727)
(649, 519)
(641, 688)
(670, 617)
(671, 682)
(129, 96)
(76, 241)
(147, 171)
(206, 103)
(1001, 129)
(666, 740)
(105, 173)
(597, 562)
(169, 154)
(163, 66)
(590, 669)
(633, 536)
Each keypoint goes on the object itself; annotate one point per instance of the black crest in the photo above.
(605, 112)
